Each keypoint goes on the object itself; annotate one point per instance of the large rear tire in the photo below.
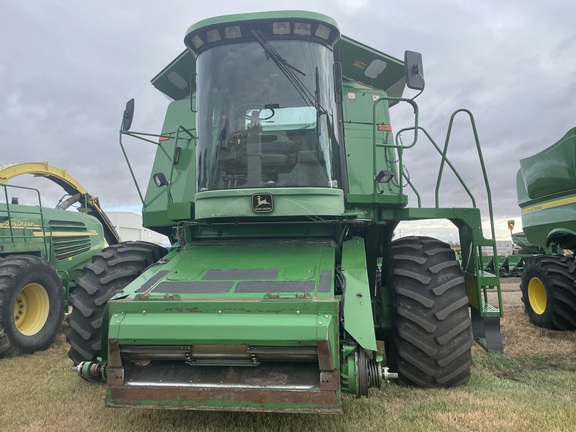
(432, 342)
(548, 291)
(31, 304)
(110, 271)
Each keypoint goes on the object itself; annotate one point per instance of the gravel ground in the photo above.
(511, 295)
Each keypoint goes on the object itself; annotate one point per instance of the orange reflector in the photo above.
(510, 226)
(385, 128)
(164, 137)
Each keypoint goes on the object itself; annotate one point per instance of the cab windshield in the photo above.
(257, 127)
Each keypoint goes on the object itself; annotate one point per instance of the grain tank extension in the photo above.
(280, 183)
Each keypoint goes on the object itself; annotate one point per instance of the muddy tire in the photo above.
(32, 304)
(432, 341)
(110, 271)
(548, 291)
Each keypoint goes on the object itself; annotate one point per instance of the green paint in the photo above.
(358, 320)
(241, 276)
(67, 239)
(546, 184)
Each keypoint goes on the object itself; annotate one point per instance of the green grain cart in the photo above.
(546, 189)
(280, 183)
(42, 253)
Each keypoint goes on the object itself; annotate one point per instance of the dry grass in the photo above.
(523, 339)
(531, 388)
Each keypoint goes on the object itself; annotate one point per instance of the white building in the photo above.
(503, 248)
(129, 227)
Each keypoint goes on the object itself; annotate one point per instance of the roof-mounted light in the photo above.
(281, 28)
(213, 35)
(232, 32)
(197, 41)
(302, 29)
(278, 28)
(323, 32)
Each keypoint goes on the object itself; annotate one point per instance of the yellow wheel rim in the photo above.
(537, 295)
(31, 309)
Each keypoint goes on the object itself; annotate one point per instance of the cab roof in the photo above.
(360, 63)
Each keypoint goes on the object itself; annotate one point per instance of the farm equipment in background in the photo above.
(280, 183)
(546, 190)
(512, 264)
(42, 253)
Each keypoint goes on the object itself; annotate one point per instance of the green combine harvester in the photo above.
(42, 253)
(546, 189)
(280, 183)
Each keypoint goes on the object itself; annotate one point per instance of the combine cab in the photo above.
(280, 183)
(546, 189)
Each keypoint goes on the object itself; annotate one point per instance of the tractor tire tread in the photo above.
(15, 273)
(558, 275)
(432, 329)
(111, 271)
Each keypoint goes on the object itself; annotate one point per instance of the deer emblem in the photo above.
(261, 202)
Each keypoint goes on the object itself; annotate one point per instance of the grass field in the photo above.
(530, 388)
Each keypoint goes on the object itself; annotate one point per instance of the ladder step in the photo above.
(488, 280)
(490, 311)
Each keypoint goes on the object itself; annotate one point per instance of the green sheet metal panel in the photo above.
(546, 191)
(358, 318)
(174, 79)
(542, 224)
(552, 171)
(362, 162)
(235, 269)
(163, 205)
(269, 291)
(297, 202)
(231, 293)
(366, 65)
(273, 323)
(69, 238)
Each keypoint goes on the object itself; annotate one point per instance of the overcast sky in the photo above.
(68, 67)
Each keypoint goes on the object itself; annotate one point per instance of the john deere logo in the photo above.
(262, 203)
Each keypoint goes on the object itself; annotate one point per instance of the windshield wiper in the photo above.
(289, 72)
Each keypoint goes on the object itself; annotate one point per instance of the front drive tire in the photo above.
(432, 342)
(110, 271)
(548, 291)
(31, 304)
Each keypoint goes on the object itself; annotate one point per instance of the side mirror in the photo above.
(414, 70)
(128, 115)
(160, 179)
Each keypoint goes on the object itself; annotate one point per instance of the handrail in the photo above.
(443, 153)
(482, 165)
(140, 136)
(10, 212)
(192, 137)
(399, 147)
(452, 167)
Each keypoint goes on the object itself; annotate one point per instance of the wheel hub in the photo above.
(537, 295)
(31, 309)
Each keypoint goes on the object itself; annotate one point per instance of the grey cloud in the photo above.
(66, 69)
